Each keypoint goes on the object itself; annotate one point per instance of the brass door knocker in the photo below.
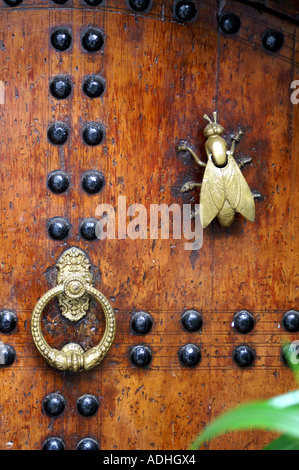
(224, 190)
(74, 289)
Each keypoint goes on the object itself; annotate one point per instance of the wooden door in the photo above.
(160, 72)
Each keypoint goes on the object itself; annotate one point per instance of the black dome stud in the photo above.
(61, 39)
(60, 2)
(272, 40)
(93, 134)
(290, 321)
(190, 355)
(184, 10)
(87, 405)
(141, 356)
(244, 355)
(88, 229)
(8, 321)
(60, 87)
(229, 23)
(141, 323)
(54, 443)
(87, 444)
(191, 320)
(93, 40)
(7, 355)
(93, 3)
(54, 404)
(139, 5)
(58, 133)
(93, 86)
(13, 3)
(243, 322)
(93, 181)
(58, 181)
(58, 228)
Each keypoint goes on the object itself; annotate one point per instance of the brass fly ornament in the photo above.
(224, 190)
(73, 291)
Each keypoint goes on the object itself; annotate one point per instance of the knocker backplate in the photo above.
(74, 261)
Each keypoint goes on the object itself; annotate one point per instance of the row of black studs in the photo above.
(271, 40)
(93, 86)
(93, 133)
(58, 182)
(59, 228)
(56, 443)
(186, 11)
(54, 405)
(92, 3)
(61, 87)
(189, 355)
(191, 321)
(183, 10)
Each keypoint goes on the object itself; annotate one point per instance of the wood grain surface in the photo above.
(161, 77)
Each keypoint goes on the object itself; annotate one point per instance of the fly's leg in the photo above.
(194, 214)
(244, 161)
(189, 187)
(257, 195)
(196, 158)
(236, 139)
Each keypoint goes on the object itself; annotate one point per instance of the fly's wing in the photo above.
(237, 191)
(212, 193)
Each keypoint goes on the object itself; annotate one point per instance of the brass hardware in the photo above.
(73, 290)
(224, 190)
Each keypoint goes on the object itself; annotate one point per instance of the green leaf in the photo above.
(280, 414)
(285, 401)
(283, 442)
(291, 351)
